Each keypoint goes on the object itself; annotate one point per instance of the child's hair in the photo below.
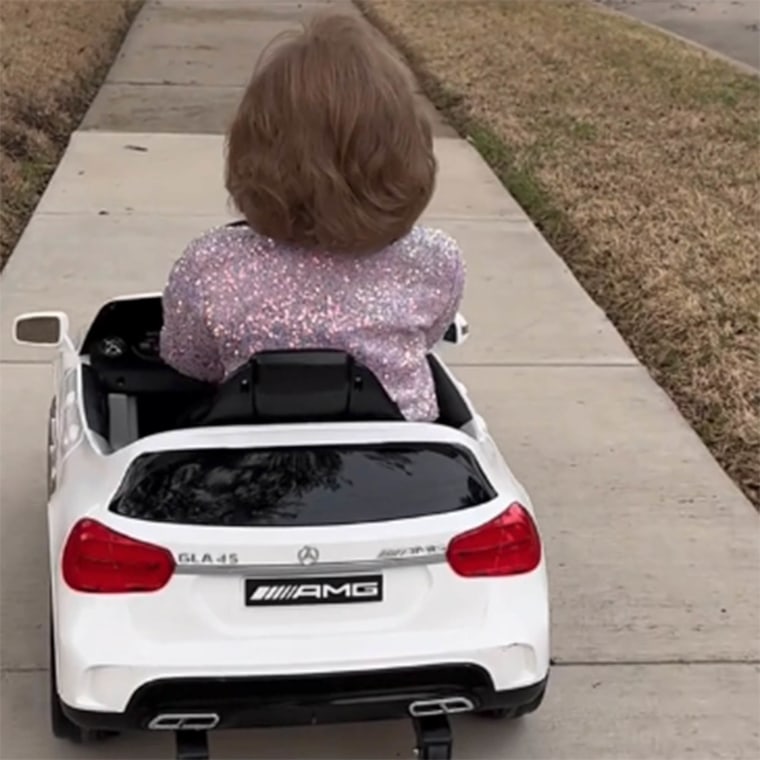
(329, 147)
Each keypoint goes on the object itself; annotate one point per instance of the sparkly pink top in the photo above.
(235, 293)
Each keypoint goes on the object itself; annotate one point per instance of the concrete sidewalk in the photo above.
(653, 552)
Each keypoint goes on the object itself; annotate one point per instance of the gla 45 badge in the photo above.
(206, 558)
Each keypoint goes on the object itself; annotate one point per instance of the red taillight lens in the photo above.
(508, 545)
(100, 561)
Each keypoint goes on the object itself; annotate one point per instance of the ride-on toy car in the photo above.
(281, 549)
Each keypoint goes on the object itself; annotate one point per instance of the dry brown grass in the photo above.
(53, 56)
(639, 158)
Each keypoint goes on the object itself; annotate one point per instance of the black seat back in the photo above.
(452, 408)
(297, 386)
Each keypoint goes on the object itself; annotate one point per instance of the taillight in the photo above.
(100, 561)
(508, 545)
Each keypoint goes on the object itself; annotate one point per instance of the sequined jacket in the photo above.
(234, 293)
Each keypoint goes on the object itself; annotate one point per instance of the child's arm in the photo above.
(186, 341)
(452, 289)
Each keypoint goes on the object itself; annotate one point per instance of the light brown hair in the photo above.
(329, 148)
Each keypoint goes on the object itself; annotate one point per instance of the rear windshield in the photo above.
(300, 486)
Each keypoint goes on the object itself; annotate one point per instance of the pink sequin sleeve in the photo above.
(186, 342)
(453, 287)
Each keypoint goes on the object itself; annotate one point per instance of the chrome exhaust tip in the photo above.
(184, 722)
(424, 707)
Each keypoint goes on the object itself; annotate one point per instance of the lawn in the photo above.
(638, 157)
(53, 56)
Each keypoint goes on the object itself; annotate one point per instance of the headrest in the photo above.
(300, 386)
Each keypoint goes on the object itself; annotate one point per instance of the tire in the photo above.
(500, 713)
(511, 713)
(60, 725)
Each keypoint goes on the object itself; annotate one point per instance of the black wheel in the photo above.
(60, 725)
(510, 713)
(531, 706)
(501, 713)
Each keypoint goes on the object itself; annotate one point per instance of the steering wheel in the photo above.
(114, 347)
(148, 347)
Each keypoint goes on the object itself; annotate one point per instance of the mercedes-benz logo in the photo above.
(112, 347)
(308, 555)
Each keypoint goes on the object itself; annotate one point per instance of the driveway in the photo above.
(730, 27)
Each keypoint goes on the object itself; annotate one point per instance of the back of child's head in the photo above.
(329, 148)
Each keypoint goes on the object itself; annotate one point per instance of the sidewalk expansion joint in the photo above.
(25, 362)
(510, 219)
(123, 214)
(130, 83)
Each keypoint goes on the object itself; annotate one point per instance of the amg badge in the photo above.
(335, 590)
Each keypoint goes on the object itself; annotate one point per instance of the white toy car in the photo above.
(282, 549)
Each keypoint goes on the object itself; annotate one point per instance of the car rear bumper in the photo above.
(248, 702)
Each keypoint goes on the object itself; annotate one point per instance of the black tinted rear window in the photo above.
(300, 486)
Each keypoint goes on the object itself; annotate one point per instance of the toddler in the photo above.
(330, 161)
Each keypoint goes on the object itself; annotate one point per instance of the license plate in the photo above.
(343, 589)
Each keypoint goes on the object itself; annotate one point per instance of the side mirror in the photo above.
(458, 331)
(48, 328)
